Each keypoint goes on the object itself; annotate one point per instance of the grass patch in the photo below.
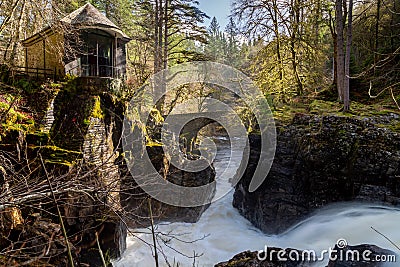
(285, 113)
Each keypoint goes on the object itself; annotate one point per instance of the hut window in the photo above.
(97, 61)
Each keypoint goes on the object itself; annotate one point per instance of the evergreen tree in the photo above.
(214, 28)
(233, 49)
(214, 48)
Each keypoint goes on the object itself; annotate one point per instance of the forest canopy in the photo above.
(290, 48)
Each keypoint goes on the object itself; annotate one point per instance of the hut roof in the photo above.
(86, 16)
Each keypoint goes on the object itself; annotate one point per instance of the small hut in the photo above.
(86, 44)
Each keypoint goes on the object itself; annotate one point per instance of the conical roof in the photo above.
(89, 16)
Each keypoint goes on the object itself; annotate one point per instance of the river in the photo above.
(222, 232)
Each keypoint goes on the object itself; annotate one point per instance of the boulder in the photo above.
(133, 198)
(363, 255)
(254, 259)
(350, 256)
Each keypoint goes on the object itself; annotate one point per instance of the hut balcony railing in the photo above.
(38, 73)
(94, 70)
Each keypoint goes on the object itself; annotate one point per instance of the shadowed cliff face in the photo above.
(318, 161)
(133, 198)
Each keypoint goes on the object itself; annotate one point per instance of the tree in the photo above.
(343, 56)
(166, 28)
(346, 88)
(340, 49)
(233, 49)
(214, 27)
(292, 57)
(214, 49)
(376, 45)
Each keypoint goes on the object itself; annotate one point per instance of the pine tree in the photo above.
(213, 49)
(233, 49)
(214, 27)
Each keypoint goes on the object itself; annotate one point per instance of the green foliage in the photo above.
(277, 78)
(223, 47)
(288, 48)
(26, 85)
(376, 43)
(321, 107)
(70, 84)
(167, 41)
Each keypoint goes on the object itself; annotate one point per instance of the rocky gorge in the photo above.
(320, 160)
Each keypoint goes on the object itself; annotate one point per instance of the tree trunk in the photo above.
(156, 29)
(160, 34)
(332, 28)
(14, 50)
(346, 95)
(278, 39)
(392, 26)
(166, 34)
(335, 57)
(340, 49)
(295, 28)
(378, 11)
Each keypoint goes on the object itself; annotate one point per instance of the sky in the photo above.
(218, 8)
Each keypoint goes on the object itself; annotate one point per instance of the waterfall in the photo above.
(222, 232)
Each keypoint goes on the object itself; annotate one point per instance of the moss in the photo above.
(56, 155)
(8, 127)
(56, 85)
(97, 111)
(59, 162)
(12, 118)
(394, 126)
(342, 132)
(86, 122)
(322, 107)
(38, 138)
(156, 116)
(70, 84)
(28, 86)
(285, 113)
(152, 143)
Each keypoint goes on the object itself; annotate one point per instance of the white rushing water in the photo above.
(222, 232)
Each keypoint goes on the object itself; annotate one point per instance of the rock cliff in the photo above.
(74, 144)
(321, 160)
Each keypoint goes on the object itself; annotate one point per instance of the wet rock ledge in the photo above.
(252, 259)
